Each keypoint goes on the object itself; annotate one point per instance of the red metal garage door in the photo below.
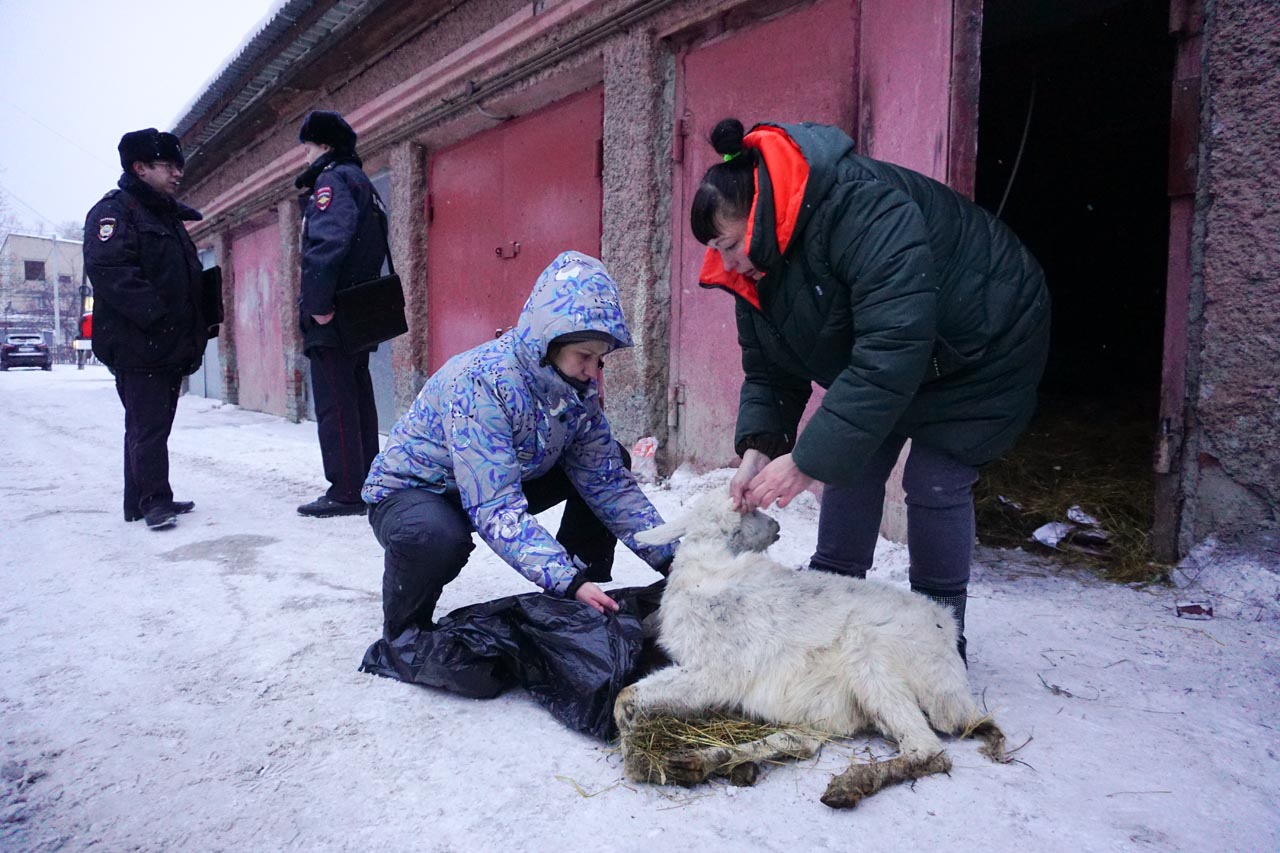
(259, 342)
(880, 70)
(501, 206)
(800, 67)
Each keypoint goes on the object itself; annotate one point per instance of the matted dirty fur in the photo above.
(806, 651)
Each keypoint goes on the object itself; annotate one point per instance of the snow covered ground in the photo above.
(197, 688)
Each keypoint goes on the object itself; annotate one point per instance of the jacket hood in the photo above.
(801, 161)
(799, 167)
(574, 294)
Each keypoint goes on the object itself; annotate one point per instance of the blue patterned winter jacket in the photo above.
(495, 416)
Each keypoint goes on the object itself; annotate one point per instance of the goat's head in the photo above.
(713, 518)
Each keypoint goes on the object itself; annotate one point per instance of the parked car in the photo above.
(25, 351)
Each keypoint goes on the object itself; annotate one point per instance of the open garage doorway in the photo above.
(1073, 151)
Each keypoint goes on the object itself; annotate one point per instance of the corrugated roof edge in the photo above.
(244, 91)
(258, 40)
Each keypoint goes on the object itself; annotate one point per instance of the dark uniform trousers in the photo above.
(427, 538)
(150, 402)
(346, 419)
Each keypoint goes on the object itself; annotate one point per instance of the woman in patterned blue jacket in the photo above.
(501, 432)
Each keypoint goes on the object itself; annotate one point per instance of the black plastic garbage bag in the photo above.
(572, 659)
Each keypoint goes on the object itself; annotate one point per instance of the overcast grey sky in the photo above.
(76, 74)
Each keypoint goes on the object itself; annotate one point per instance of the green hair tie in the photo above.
(728, 157)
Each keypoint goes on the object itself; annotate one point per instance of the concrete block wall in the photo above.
(1232, 474)
(295, 361)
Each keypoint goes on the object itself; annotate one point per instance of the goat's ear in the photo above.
(663, 533)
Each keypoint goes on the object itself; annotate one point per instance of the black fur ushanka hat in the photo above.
(328, 128)
(149, 145)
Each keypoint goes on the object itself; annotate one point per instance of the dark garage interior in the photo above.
(1073, 152)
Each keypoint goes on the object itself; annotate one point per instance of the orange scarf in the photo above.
(789, 173)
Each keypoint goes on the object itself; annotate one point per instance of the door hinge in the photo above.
(675, 399)
(1168, 444)
(677, 140)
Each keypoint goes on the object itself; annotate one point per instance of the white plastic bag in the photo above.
(643, 463)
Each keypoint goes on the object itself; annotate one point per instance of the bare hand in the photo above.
(323, 319)
(780, 481)
(594, 596)
(753, 462)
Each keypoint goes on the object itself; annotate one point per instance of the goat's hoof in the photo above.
(638, 768)
(744, 775)
(862, 780)
(625, 710)
(841, 798)
(687, 766)
(992, 741)
(851, 787)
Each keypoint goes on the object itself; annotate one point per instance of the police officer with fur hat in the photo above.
(343, 244)
(148, 325)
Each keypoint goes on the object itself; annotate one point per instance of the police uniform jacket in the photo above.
(146, 279)
(343, 243)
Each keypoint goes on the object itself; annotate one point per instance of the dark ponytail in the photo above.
(728, 188)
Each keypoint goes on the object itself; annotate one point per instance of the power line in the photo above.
(11, 194)
(56, 133)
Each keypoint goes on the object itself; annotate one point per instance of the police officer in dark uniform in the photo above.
(343, 243)
(148, 326)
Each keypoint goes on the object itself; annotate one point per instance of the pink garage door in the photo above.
(501, 206)
(800, 67)
(906, 85)
(255, 258)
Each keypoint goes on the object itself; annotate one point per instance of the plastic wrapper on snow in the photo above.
(643, 459)
(573, 660)
(1238, 580)
(1052, 533)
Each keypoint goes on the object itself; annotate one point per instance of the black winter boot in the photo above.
(326, 507)
(161, 516)
(179, 507)
(956, 604)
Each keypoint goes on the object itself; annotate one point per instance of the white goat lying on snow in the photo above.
(801, 648)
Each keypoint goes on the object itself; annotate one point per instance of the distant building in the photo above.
(37, 273)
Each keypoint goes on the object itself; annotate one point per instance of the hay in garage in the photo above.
(1088, 453)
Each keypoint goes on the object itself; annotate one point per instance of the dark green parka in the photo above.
(918, 311)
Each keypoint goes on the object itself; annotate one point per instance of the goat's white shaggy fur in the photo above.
(801, 648)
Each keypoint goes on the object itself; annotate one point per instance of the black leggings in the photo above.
(940, 523)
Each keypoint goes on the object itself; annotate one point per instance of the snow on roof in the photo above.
(261, 41)
(4, 243)
(57, 237)
(251, 46)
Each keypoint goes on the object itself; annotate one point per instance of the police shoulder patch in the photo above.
(106, 228)
(324, 195)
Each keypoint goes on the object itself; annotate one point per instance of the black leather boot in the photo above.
(956, 604)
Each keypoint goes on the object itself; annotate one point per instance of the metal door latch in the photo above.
(507, 252)
(675, 399)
